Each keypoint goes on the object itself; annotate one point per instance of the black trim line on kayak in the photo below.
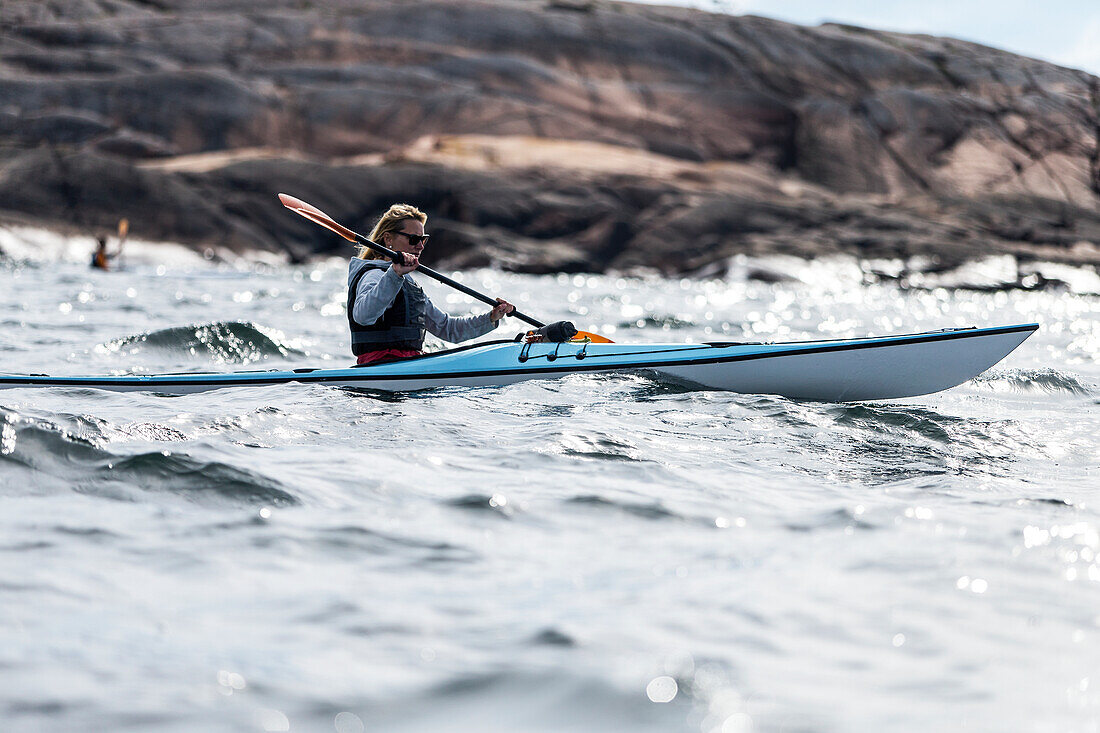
(877, 342)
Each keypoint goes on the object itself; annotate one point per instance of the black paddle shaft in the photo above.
(398, 257)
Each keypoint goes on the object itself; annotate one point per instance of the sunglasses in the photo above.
(415, 239)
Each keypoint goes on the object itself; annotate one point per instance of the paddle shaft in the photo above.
(397, 257)
(317, 216)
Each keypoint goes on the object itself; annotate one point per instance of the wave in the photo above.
(364, 540)
(494, 504)
(839, 518)
(651, 510)
(598, 445)
(72, 456)
(883, 443)
(185, 475)
(530, 701)
(551, 636)
(1050, 381)
(44, 446)
(229, 342)
(899, 420)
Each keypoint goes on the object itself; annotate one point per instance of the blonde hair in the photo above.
(390, 222)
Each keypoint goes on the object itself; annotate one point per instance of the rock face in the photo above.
(542, 136)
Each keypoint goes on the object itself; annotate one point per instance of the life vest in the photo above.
(400, 327)
(99, 259)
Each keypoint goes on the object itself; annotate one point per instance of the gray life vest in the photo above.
(402, 324)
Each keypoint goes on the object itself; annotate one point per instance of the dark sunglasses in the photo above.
(415, 239)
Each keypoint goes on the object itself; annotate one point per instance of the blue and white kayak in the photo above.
(875, 368)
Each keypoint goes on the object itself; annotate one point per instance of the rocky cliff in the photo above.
(541, 136)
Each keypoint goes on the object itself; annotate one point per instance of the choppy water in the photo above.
(599, 553)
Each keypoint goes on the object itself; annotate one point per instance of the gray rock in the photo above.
(686, 137)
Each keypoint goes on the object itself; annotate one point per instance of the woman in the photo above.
(387, 311)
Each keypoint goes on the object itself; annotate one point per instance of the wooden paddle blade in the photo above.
(593, 337)
(123, 227)
(316, 216)
(298, 205)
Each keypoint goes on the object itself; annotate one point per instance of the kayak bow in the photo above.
(875, 368)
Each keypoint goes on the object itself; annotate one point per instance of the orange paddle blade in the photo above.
(593, 337)
(316, 216)
(123, 227)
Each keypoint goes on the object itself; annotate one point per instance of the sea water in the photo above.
(593, 553)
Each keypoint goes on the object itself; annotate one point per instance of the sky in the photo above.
(1066, 32)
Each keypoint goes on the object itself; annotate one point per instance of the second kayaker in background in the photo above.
(101, 258)
(387, 311)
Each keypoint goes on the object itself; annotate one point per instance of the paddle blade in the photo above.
(316, 216)
(123, 227)
(593, 337)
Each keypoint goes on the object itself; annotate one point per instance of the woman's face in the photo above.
(398, 240)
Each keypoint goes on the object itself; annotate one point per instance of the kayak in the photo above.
(841, 370)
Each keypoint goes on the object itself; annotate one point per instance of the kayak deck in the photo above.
(885, 367)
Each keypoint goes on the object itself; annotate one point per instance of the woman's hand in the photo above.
(503, 308)
(410, 263)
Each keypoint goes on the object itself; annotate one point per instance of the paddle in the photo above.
(319, 217)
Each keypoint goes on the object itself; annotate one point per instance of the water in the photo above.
(608, 553)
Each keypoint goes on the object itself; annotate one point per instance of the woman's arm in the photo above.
(375, 293)
(452, 329)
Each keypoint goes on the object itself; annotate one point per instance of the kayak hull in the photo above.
(876, 368)
(877, 372)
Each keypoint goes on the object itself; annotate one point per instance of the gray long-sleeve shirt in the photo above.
(377, 290)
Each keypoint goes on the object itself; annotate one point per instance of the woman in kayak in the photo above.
(387, 311)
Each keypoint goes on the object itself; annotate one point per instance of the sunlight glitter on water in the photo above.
(526, 556)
